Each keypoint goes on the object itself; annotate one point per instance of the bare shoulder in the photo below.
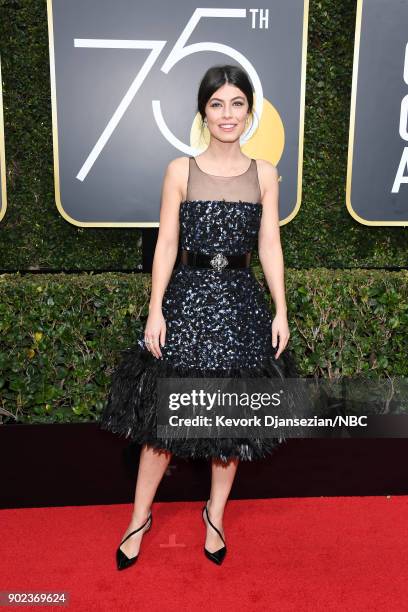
(177, 173)
(178, 164)
(178, 167)
(268, 175)
(267, 169)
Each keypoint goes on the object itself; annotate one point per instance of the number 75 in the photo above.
(179, 51)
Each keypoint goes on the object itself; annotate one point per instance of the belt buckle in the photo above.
(219, 261)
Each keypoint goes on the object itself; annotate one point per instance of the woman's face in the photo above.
(227, 113)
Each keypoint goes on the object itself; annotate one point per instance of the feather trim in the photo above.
(132, 402)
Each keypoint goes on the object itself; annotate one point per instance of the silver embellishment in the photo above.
(219, 261)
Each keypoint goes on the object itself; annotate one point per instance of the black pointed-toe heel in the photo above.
(217, 556)
(122, 560)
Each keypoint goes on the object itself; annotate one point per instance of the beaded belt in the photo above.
(218, 261)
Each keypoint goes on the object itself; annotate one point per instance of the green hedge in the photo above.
(61, 335)
(34, 235)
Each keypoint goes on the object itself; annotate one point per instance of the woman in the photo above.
(206, 318)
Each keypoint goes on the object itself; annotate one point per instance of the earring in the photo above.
(205, 121)
(246, 122)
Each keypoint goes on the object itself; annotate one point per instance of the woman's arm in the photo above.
(168, 237)
(270, 252)
(165, 253)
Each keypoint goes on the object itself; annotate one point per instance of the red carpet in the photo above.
(283, 554)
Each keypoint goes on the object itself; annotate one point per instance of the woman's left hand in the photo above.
(280, 328)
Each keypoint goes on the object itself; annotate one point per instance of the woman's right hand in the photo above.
(155, 332)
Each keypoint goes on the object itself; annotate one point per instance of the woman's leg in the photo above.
(223, 475)
(152, 465)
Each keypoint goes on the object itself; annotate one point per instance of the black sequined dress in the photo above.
(218, 322)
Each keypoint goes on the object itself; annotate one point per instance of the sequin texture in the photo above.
(216, 319)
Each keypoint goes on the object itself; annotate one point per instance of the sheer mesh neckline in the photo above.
(239, 202)
(220, 175)
(205, 187)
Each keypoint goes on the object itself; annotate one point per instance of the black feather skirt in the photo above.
(131, 409)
